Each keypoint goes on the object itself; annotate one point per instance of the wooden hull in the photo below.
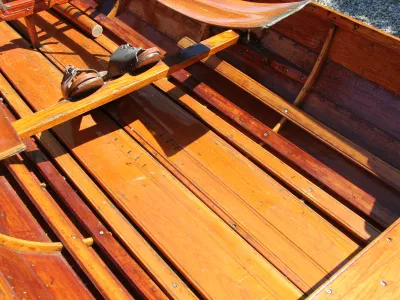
(188, 188)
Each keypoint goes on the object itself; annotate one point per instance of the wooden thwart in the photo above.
(66, 110)
(357, 154)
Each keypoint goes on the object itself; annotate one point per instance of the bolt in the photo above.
(329, 291)
(286, 111)
(234, 225)
(310, 190)
(383, 283)
(389, 239)
(43, 185)
(174, 285)
(101, 232)
(265, 134)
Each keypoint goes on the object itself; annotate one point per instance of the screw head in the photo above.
(383, 283)
(174, 285)
(285, 111)
(389, 239)
(101, 232)
(74, 237)
(329, 291)
(265, 134)
(310, 190)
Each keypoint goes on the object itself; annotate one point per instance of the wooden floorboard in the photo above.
(123, 181)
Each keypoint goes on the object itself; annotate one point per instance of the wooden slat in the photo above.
(305, 187)
(66, 110)
(136, 244)
(91, 264)
(358, 155)
(372, 274)
(153, 199)
(313, 75)
(373, 198)
(59, 277)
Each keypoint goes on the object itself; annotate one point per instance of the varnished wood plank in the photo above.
(6, 291)
(91, 264)
(19, 9)
(132, 239)
(166, 209)
(313, 75)
(65, 110)
(358, 155)
(372, 274)
(30, 23)
(308, 189)
(127, 113)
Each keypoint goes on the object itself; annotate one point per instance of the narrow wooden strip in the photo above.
(372, 274)
(358, 155)
(99, 274)
(340, 213)
(159, 204)
(121, 227)
(77, 17)
(313, 75)
(32, 246)
(66, 110)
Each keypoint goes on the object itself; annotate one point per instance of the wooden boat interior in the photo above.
(267, 171)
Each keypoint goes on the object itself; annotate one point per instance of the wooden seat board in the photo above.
(117, 186)
(200, 176)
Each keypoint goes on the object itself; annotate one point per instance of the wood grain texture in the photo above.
(10, 143)
(30, 24)
(128, 111)
(77, 17)
(132, 239)
(234, 13)
(358, 155)
(191, 221)
(66, 110)
(372, 274)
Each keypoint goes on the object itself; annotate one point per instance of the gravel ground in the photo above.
(382, 14)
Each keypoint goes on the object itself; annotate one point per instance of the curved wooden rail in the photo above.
(32, 246)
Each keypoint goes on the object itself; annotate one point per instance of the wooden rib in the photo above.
(317, 196)
(77, 17)
(344, 146)
(313, 75)
(158, 204)
(96, 270)
(372, 274)
(32, 246)
(136, 244)
(30, 24)
(66, 110)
